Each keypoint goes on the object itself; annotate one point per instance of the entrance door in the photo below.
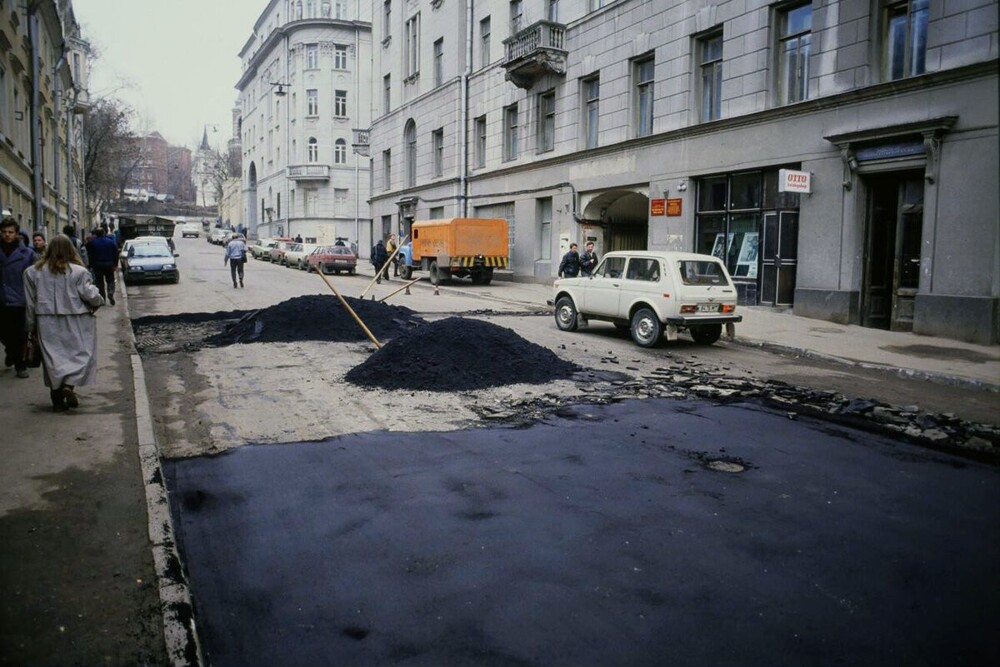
(892, 251)
(779, 258)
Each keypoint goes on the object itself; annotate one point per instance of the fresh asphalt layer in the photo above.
(608, 535)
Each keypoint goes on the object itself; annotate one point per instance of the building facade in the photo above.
(161, 170)
(304, 90)
(840, 155)
(43, 95)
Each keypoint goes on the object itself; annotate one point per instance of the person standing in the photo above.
(61, 300)
(569, 267)
(588, 260)
(15, 258)
(80, 249)
(390, 247)
(236, 256)
(103, 253)
(38, 243)
(379, 258)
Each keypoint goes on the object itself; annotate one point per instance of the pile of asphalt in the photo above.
(457, 354)
(317, 318)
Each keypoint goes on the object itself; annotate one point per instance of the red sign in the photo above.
(657, 206)
(674, 207)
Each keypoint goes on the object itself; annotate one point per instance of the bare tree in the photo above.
(111, 152)
(222, 167)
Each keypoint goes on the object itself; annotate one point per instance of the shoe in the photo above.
(234, 285)
(70, 397)
(241, 283)
(111, 299)
(58, 403)
(23, 373)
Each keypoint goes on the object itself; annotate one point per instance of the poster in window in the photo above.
(746, 263)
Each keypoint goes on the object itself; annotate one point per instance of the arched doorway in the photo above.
(623, 216)
(251, 199)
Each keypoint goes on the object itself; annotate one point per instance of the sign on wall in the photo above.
(657, 206)
(790, 180)
(674, 207)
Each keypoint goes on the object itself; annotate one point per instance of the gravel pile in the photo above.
(321, 318)
(457, 354)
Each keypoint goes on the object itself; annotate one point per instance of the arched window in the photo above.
(313, 150)
(410, 140)
(340, 152)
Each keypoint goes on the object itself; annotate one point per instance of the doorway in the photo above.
(779, 258)
(894, 222)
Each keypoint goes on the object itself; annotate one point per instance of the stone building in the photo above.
(840, 155)
(161, 169)
(304, 89)
(43, 95)
(205, 173)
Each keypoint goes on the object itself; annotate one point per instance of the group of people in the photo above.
(574, 264)
(48, 299)
(381, 254)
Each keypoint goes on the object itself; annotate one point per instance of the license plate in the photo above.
(152, 273)
(708, 307)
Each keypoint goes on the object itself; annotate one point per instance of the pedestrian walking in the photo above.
(390, 247)
(379, 258)
(38, 243)
(236, 256)
(15, 258)
(70, 232)
(103, 253)
(569, 267)
(588, 260)
(61, 301)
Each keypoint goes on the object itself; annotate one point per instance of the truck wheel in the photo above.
(487, 276)
(706, 334)
(646, 328)
(405, 272)
(437, 274)
(566, 315)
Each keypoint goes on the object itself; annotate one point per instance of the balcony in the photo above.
(309, 172)
(534, 52)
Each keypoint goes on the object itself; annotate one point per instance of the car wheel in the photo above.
(646, 328)
(438, 276)
(567, 318)
(706, 334)
(405, 272)
(350, 272)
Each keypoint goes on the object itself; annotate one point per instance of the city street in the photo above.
(577, 522)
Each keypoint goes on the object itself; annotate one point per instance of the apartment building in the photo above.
(43, 95)
(840, 155)
(304, 90)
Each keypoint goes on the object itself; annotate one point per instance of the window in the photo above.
(545, 227)
(340, 201)
(439, 62)
(386, 92)
(340, 103)
(410, 141)
(481, 141)
(312, 102)
(643, 73)
(552, 10)
(710, 73)
(510, 133)
(597, 4)
(339, 56)
(313, 150)
(643, 268)
(412, 47)
(794, 46)
(437, 213)
(484, 42)
(312, 56)
(437, 141)
(311, 9)
(546, 121)
(3, 103)
(906, 38)
(339, 9)
(387, 169)
(516, 16)
(340, 152)
(387, 19)
(591, 110)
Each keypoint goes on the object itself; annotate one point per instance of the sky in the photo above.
(175, 63)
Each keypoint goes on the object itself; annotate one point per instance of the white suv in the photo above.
(652, 294)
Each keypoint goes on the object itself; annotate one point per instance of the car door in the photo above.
(602, 292)
(642, 284)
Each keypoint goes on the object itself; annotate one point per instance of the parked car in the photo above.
(191, 229)
(332, 259)
(219, 236)
(261, 247)
(149, 262)
(652, 294)
(278, 251)
(142, 240)
(297, 255)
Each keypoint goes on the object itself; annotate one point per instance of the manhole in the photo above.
(725, 466)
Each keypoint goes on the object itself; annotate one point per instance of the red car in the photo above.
(333, 259)
(278, 251)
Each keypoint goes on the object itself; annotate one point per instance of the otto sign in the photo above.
(790, 180)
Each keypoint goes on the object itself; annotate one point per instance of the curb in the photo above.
(179, 628)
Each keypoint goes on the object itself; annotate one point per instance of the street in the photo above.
(587, 520)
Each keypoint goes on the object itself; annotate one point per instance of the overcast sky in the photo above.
(174, 62)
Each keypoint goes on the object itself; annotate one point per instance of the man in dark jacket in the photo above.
(379, 257)
(15, 258)
(569, 267)
(588, 260)
(103, 254)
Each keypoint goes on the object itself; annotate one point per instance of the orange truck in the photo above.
(456, 248)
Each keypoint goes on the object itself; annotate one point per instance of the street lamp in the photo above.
(280, 92)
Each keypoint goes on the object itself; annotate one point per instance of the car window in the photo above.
(702, 273)
(611, 267)
(643, 268)
(149, 251)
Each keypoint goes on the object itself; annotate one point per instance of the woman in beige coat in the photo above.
(61, 301)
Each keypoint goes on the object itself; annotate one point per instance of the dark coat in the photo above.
(588, 262)
(569, 267)
(12, 268)
(379, 255)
